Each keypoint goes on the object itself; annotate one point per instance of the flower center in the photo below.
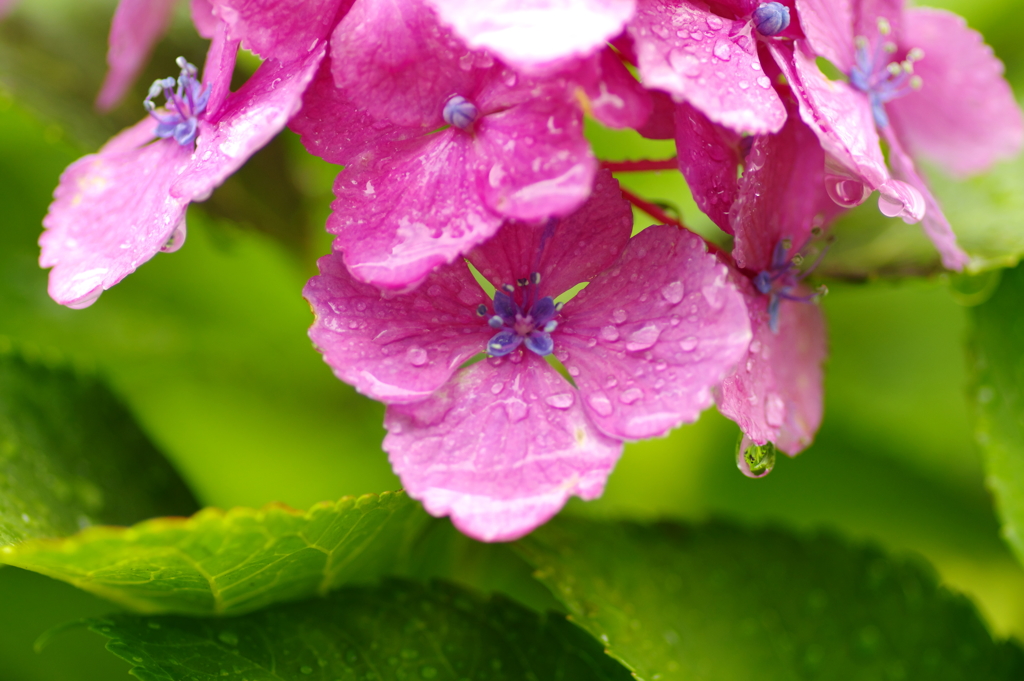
(459, 112)
(179, 118)
(881, 79)
(771, 18)
(529, 320)
(780, 281)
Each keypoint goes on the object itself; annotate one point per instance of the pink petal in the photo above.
(203, 17)
(649, 338)
(280, 29)
(534, 34)
(708, 158)
(782, 195)
(111, 212)
(248, 120)
(582, 245)
(965, 116)
(711, 62)
(396, 349)
(6, 6)
(218, 69)
(533, 160)
(866, 14)
(775, 394)
(397, 63)
(614, 96)
(399, 215)
(135, 29)
(828, 26)
(662, 123)
(500, 448)
(935, 224)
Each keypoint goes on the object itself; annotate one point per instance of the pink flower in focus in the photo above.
(500, 445)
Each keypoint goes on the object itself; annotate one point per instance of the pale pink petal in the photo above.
(574, 250)
(396, 349)
(697, 56)
(500, 448)
(203, 17)
(649, 338)
(280, 29)
(866, 14)
(535, 34)
(397, 63)
(935, 224)
(708, 158)
(828, 26)
(775, 394)
(248, 120)
(111, 212)
(964, 117)
(614, 96)
(400, 215)
(533, 160)
(135, 29)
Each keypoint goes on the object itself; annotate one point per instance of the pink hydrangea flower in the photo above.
(442, 144)
(928, 84)
(500, 444)
(116, 209)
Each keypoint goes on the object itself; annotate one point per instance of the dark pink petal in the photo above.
(614, 96)
(828, 26)
(782, 195)
(500, 448)
(775, 394)
(135, 29)
(218, 69)
(964, 117)
(397, 63)
(280, 29)
(650, 337)
(111, 212)
(708, 158)
(535, 34)
(401, 214)
(398, 348)
(711, 62)
(203, 17)
(935, 224)
(248, 120)
(578, 248)
(661, 125)
(533, 161)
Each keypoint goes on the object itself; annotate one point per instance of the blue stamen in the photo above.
(781, 280)
(459, 112)
(526, 320)
(880, 79)
(540, 342)
(771, 18)
(180, 116)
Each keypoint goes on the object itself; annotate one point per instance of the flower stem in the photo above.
(656, 212)
(636, 166)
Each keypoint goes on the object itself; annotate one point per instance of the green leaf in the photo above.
(997, 345)
(72, 456)
(718, 602)
(399, 630)
(232, 562)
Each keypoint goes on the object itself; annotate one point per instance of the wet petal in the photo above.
(964, 117)
(280, 29)
(396, 349)
(135, 29)
(776, 392)
(828, 26)
(535, 34)
(578, 248)
(708, 158)
(112, 212)
(649, 338)
(707, 60)
(500, 448)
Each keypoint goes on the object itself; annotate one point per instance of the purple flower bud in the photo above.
(771, 18)
(459, 112)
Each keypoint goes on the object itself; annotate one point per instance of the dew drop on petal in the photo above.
(673, 292)
(599, 403)
(714, 22)
(609, 333)
(560, 401)
(630, 396)
(688, 343)
(723, 49)
(764, 81)
(619, 316)
(497, 388)
(643, 338)
(516, 410)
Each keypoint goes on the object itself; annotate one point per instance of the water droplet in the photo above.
(609, 333)
(755, 347)
(743, 84)
(774, 410)
(688, 343)
(630, 396)
(845, 191)
(574, 371)
(714, 22)
(674, 320)
(560, 401)
(619, 316)
(229, 637)
(497, 388)
(673, 292)
(416, 356)
(684, 63)
(177, 238)
(723, 49)
(599, 403)
(753, 460)
(764, 81)
(643, 338)
(516, 409)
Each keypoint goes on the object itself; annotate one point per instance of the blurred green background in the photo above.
(208, 347)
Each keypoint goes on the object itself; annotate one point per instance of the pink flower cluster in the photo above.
(471, 207)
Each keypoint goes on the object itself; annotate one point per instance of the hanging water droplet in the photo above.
(845, 191)
(754, 460)
(177, 238)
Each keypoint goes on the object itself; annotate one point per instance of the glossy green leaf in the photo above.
(72, 456)
(718, 602)
(998, 398)
(399, 630)
(227, 563)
